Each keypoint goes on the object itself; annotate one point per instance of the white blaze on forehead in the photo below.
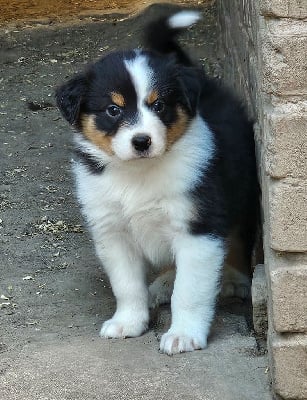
(141, 75)
(147, 122)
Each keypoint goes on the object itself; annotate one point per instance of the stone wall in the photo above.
(264, 54)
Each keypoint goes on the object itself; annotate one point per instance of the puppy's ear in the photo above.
(190, 82)
(69, 98)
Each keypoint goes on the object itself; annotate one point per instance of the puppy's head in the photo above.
(131, 104)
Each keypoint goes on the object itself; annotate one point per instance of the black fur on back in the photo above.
(228, 195)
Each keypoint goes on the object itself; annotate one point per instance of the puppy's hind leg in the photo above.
(237, 267)
(235, 284)
(160, 291)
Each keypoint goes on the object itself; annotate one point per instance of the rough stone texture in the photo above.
(264, 46)
(259, 300)
(286, 151)
(238, 26)
(288, 215)
(289, 363)
(284, 49)
(289, 283)
(284, 8)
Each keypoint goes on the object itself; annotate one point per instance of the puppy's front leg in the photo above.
(199, 260)
(124, 266)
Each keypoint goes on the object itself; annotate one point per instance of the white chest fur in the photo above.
(147, 199)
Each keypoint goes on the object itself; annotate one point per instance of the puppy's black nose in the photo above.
(141, 142)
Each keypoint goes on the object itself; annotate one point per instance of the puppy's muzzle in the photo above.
(141, 142)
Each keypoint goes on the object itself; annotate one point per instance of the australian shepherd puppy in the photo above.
(165, 170)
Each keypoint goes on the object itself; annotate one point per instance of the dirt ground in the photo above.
(60, 10)
(54, 296)
(54, 9)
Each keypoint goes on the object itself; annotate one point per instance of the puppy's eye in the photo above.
(158, 106)
(113, 111)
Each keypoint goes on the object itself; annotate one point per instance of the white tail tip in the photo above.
(183, 19)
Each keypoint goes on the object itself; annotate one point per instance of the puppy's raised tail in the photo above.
(160, 35)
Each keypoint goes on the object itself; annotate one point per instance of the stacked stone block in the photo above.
(264, 48)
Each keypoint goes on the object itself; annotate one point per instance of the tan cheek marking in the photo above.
(97, 137)
(178, 128)
(118, 99)
(153, 96)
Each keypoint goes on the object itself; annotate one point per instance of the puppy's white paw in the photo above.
(120, 329)
(173, 343)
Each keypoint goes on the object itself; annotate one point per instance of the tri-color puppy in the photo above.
(165, 171)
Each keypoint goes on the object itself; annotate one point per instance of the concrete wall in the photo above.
(264, 49)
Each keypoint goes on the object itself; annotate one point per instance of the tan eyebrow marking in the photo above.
(152, 97)
(118, 99)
